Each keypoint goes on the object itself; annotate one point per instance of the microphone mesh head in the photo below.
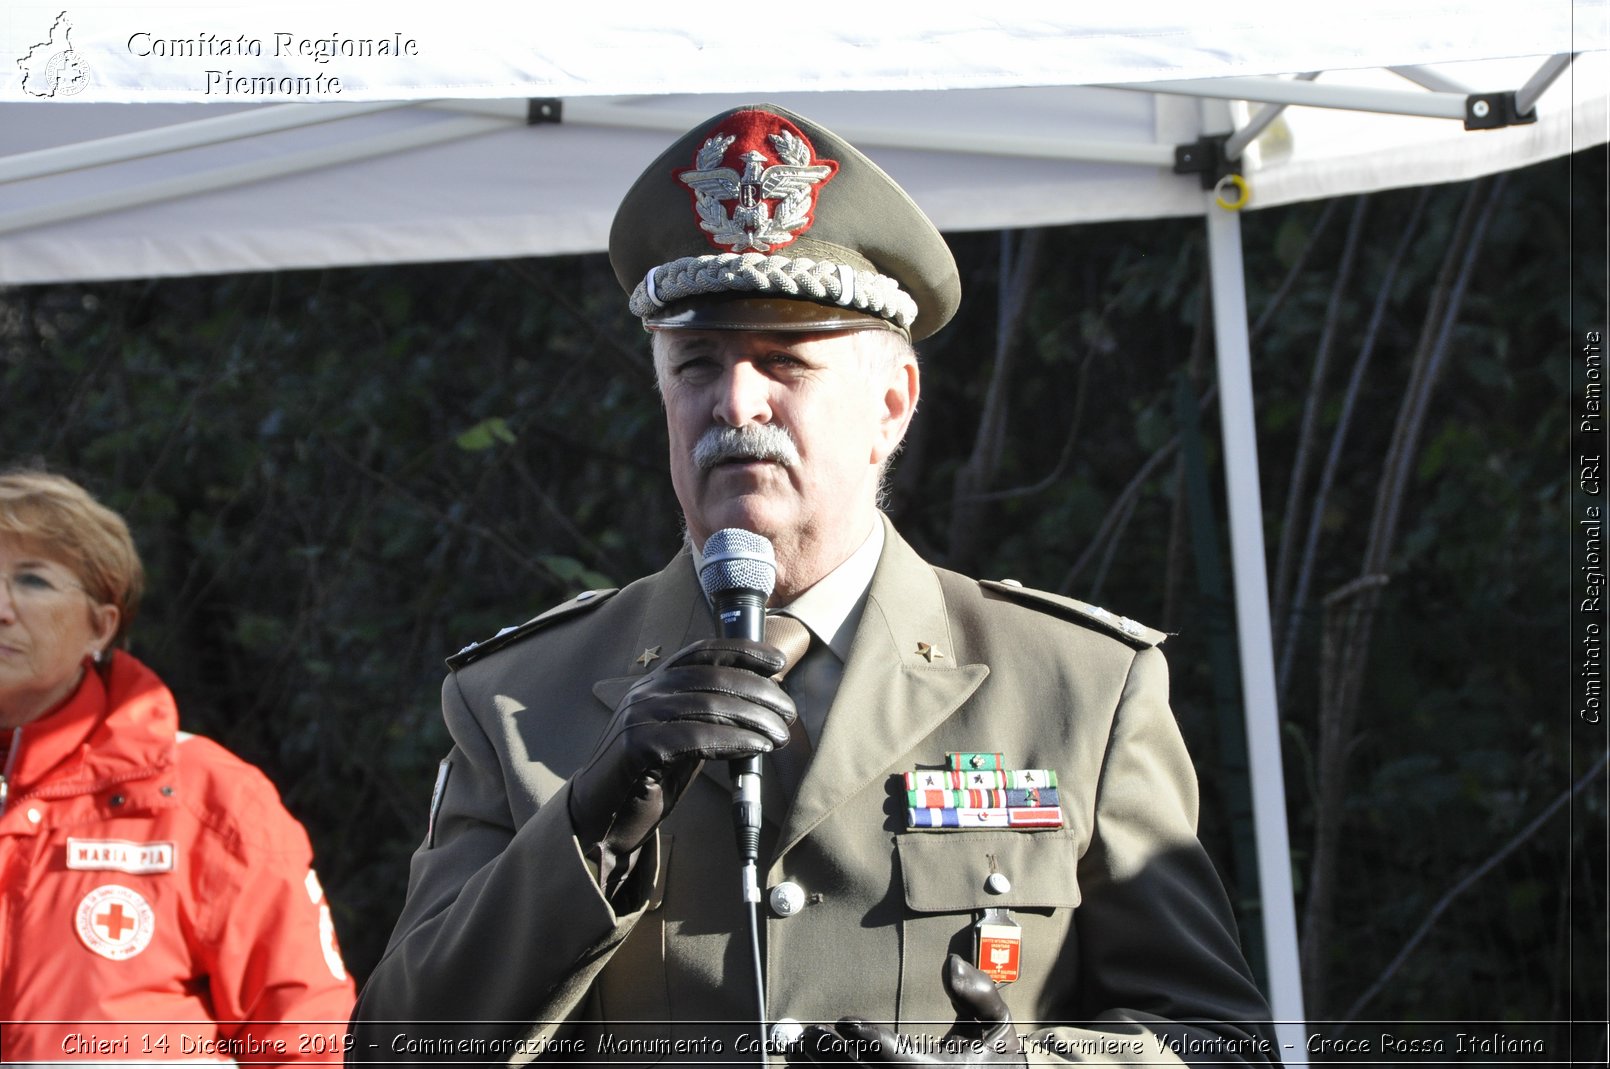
(735, 559)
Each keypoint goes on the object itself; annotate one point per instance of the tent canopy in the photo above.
(1030, 117)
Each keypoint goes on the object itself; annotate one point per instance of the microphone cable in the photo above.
(738, 575)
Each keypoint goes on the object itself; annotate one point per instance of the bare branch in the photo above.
(1468, 881)
(1309, 428)
(1347, 640)
(1435, 348)
(1278, 298)
(1018, 258)
(1065, 457)
(1372, 333)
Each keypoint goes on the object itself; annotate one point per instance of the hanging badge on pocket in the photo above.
(1000, 945)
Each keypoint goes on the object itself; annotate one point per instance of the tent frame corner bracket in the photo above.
(1494, 111)
(1207, 158)
(540, 111)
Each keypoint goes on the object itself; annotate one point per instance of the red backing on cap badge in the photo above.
(754, 183)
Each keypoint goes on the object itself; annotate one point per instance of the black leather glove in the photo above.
(713, 699)
(983, 1034)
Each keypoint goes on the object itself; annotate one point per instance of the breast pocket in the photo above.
(949, 880)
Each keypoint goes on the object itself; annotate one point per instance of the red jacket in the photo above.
(156, 899)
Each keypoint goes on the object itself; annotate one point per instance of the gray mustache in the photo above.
(754, 441)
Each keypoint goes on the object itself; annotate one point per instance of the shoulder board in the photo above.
(582, 602)
(1138, 635)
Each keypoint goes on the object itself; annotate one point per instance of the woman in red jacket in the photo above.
(157, 902)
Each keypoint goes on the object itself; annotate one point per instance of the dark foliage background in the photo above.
(338, 477)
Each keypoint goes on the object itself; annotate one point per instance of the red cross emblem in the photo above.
(114, 921)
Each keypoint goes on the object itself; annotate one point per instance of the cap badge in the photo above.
(769, 174)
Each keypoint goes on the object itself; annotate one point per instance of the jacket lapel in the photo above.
(677, 615)
(901, 682)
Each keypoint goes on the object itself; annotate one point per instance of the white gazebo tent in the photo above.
(140, 144)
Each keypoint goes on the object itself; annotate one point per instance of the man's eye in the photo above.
(697, 370)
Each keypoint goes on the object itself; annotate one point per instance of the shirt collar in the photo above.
(832, 607)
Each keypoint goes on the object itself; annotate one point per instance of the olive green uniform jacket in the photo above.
(507, 942)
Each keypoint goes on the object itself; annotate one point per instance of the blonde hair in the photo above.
(61, 518)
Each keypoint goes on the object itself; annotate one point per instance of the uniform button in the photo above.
(787, 899)
(997, 883)
(785, 1033)
(35, 816)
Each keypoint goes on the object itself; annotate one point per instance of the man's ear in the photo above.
(899, 404)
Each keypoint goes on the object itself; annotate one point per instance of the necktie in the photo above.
(790, 636)
(793, 638)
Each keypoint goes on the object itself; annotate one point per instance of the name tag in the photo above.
(121, 855)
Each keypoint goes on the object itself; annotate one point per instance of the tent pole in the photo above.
(621, 114)
(1526, 96)
(202, 182)
(1247, 558)
(1238, 142)
(1310, 94)
(1434, 80)
(175, 138)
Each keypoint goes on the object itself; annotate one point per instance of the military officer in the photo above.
(979, 832)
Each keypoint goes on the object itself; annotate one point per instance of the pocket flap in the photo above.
(947, 872)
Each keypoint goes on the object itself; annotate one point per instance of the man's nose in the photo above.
(745, 396)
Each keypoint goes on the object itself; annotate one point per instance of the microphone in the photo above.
(738, 575)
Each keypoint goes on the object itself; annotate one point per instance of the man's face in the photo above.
(839, 399)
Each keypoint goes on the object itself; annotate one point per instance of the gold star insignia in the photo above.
(649, 655)
(928, 651)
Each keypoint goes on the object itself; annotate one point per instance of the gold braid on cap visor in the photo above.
(778, 276)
